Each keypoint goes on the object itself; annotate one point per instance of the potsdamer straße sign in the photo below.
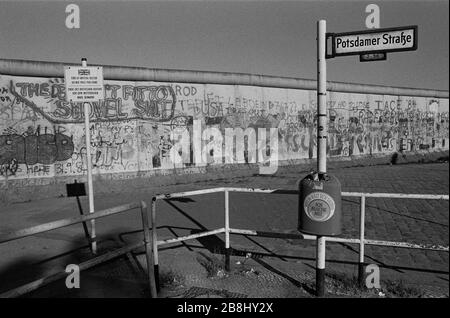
(373, 41)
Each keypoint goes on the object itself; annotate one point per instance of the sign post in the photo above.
(320, 196)
(319, 192)
(89, 167)
(321, 142)
(321, 98)
(85, 84)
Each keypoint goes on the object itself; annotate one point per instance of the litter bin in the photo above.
(320, 205)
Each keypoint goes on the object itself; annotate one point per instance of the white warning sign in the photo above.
(84, 84)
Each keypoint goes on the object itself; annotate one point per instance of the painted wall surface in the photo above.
(42, 135)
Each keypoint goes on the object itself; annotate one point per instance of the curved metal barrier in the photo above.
(361, 241)
(16, 235)
(151, 243)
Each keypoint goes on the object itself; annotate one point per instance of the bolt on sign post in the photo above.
(85, 84)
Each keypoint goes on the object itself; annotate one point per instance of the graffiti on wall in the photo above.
(132, 128)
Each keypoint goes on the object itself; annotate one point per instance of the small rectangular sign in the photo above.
(369, 57)
(75, 189)
(84, 84)
(374, 41)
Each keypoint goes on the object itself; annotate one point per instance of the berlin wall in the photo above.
(43, 136)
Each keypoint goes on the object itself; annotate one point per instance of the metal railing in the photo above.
(146, 243)
(361, 241)
(151, 243)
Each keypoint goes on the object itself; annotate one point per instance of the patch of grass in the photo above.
(343, 285)
(400, 289)
(170, 279)
(214, 267)
(242, 268)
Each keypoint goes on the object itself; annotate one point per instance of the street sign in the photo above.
(369, 57)
(373, 41)
(75, 189)
(84, 84)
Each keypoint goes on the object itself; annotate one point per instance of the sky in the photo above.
(260, 37)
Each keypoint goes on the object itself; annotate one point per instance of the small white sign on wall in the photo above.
(84, 84)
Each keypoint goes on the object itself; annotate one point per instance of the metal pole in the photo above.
(361, 241)
(320, 266)
(227, 231)
(89, 168)
(85, 228)
(321, 98)
(155, 245)
(148, 251)
(321, 142)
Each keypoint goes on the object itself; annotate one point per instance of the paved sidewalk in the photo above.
(282, 263)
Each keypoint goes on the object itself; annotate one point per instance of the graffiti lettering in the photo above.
(135, 127)
(36, 148)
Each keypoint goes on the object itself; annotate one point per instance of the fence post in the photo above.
(155, 244)
(320, 266)
(362, 217)
(148, 251)
(227, 231)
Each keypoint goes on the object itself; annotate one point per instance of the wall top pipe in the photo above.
(125, 73)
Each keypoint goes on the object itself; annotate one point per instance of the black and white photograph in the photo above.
(224, 156)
